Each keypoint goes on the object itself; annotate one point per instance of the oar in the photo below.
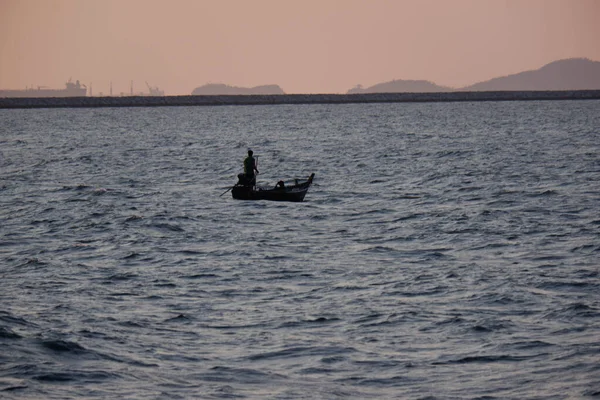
(226, 191)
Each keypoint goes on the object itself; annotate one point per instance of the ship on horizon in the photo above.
(71, 90)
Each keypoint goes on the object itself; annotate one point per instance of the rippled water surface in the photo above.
(444, 251)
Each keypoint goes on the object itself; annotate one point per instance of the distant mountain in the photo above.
(401, 86)
(222, 89)
(569, 74)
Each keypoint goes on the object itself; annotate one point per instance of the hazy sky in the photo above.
(304, 46)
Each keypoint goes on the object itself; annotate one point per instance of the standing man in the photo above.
(249, 168)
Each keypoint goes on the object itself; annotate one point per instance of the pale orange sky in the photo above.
(304, 46)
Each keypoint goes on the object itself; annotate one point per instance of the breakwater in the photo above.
(215, 100)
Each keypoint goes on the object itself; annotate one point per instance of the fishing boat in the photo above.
(281, 192)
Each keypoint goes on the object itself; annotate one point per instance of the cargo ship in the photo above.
(71, 90)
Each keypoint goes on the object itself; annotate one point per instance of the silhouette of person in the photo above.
(249, 168)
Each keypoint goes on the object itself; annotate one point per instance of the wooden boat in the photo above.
(280, 192)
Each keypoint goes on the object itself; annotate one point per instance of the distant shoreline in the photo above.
(222, 100)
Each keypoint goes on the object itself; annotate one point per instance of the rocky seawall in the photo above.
(217, 100)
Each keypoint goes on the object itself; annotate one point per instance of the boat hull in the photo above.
(295, 193)
(249, 193)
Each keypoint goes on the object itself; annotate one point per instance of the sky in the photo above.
(304, 46)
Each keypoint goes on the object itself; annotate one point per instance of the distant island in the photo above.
(222, 89)
(572, 79)
(568, 74)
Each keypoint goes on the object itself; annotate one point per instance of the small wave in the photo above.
(548, 257)
(316, 371)
(393, 381)
(529, 345)
(454, 322)
(179, 318)
(545, 193)
(80, 186)
(392, 320)
(369, 318)
(34, 261)
(483, 359)
(566, 285)
(166, 284)
(495, 299)
(121, 277)
(586, 249)
(10, 384)
(300, 351)
(100, 191)
(349, 287)
(6, 333)
(487, 326)
(132, 324)
(379, 249)
(240, 375)
(64, 346)
(419, 293)
(191, 252)
(334, 359)
(167, 227)
(588, 273)
(131, 256)
(11, 319)
(118, 296)
(493, 246)
(77, 200)
(592, 393)
(481, 329)
(153, 297)
(201, 276)
(308, 322)
(572, 311)
(270, 257)
(79, 376)
(55, 377)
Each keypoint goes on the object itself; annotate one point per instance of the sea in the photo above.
(444, 251)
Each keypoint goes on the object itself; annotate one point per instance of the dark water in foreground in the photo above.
(444, 251)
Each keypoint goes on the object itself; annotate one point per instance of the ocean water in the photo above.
(444, 251)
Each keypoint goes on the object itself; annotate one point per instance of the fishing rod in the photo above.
(226, 191)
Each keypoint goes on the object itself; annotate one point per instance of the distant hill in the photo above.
(222, 89)
(569, 74)
(402, 86)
